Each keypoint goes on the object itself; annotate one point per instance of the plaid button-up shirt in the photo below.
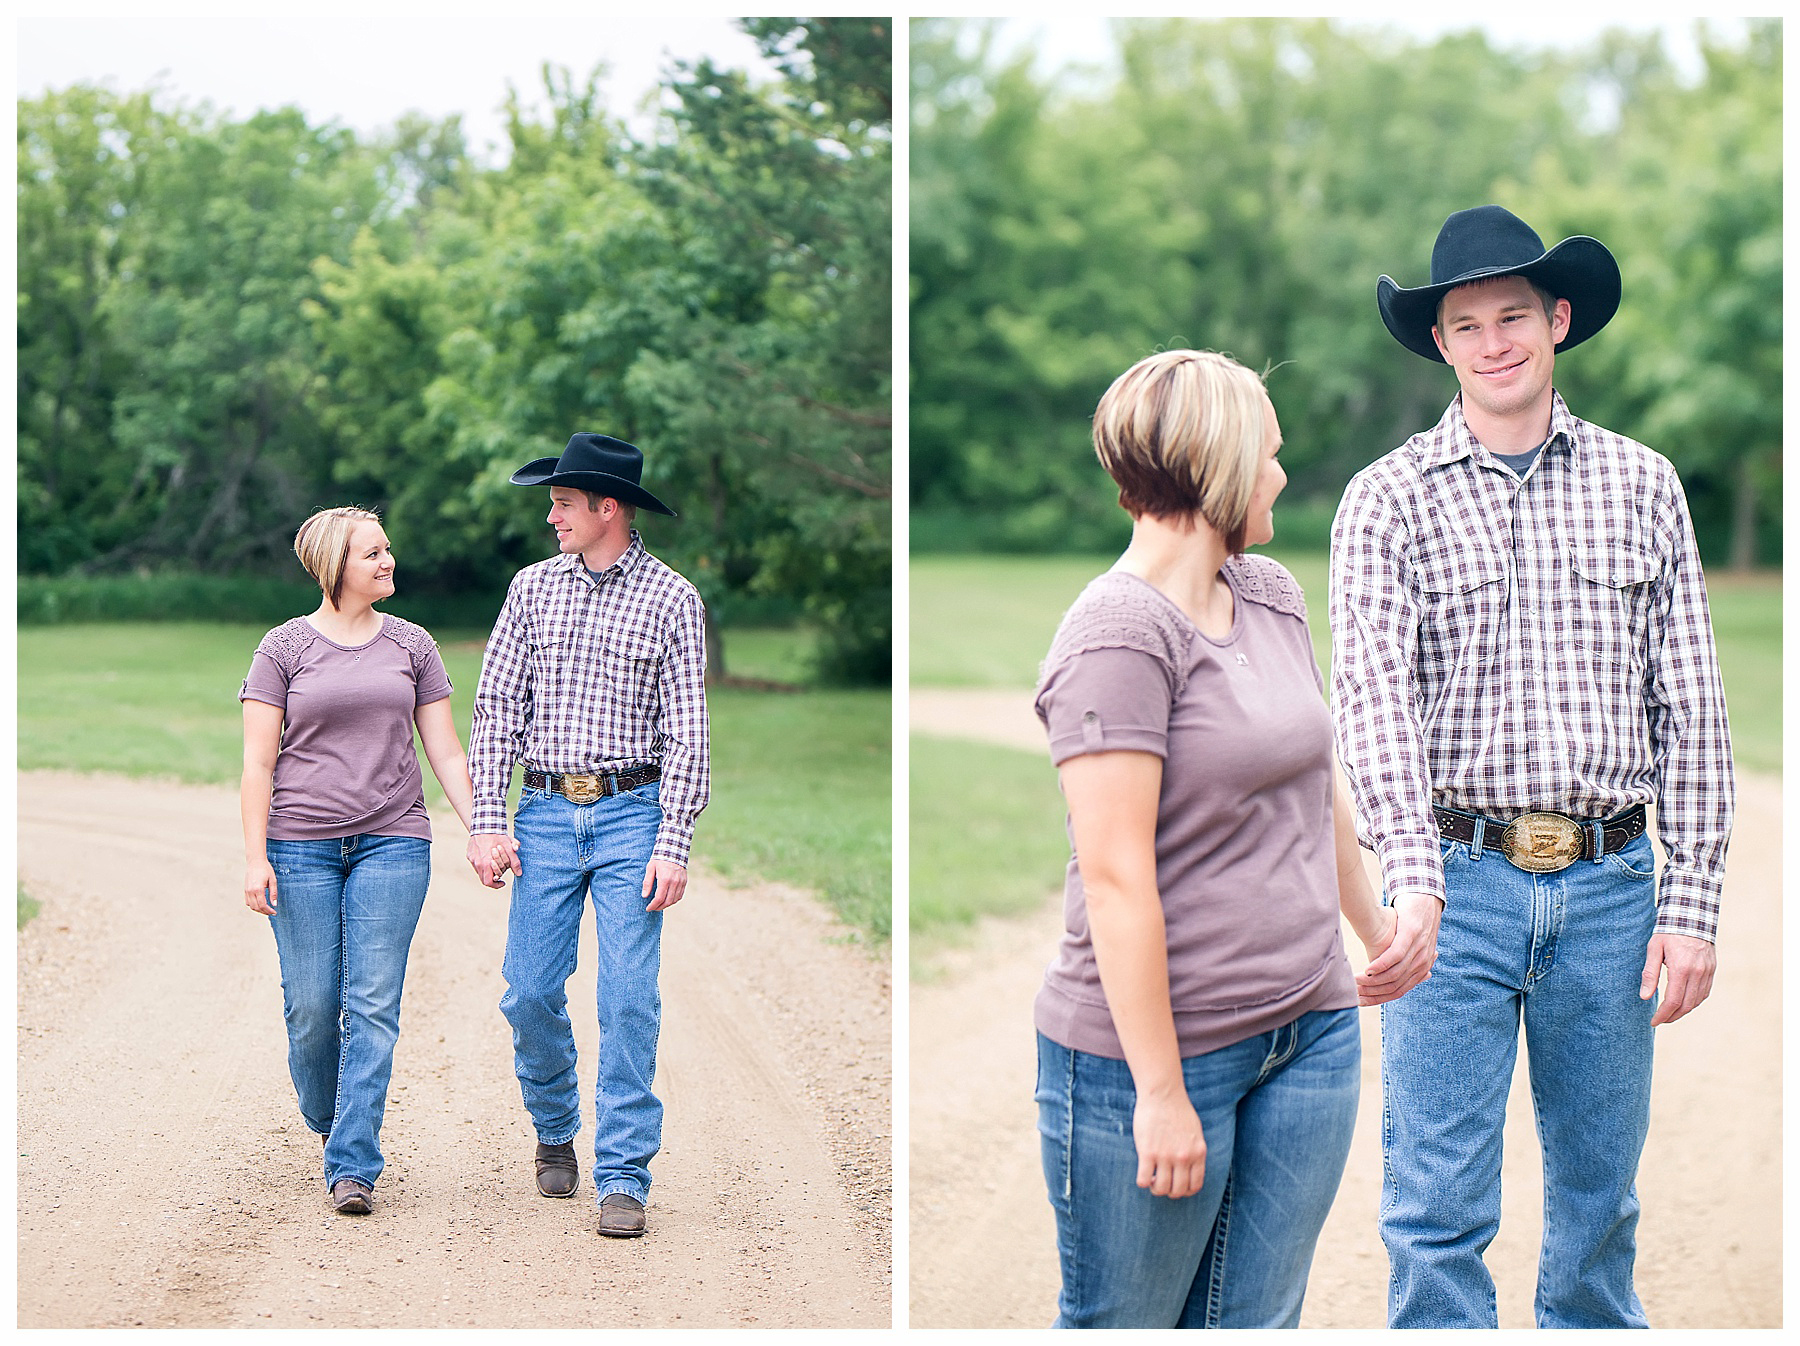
(1503, 645)
(588, 677)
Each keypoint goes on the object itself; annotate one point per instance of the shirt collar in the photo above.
(1451, 438)
(571, 563)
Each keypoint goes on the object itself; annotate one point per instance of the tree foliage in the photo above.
(226, 324)
(1241, 186)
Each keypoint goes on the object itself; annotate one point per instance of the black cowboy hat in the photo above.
(594, 463)
(1491, 241)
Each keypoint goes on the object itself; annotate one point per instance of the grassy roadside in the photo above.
(987, 835)
(986, 822)
(801, 780)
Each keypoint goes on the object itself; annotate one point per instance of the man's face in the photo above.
(1495, 335)
(578, 528)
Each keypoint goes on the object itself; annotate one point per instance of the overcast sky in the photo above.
(1063, 41)
(366, 71)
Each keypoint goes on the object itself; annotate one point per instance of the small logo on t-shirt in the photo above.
(1244, 660)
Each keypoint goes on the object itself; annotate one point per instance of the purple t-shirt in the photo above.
(347, 765)
(1246, 860)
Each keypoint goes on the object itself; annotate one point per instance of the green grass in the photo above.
(986, 621)
(987, 834)
(28, 907)
(802, 785)
(985, 820)
(801, 781)
(1746, 615)
(782, 654)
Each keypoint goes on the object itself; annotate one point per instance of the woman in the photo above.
(337, 844)
(1198, 1054)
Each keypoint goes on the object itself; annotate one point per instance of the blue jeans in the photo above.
(1566, 952)
(345, 911)
(571, 853)
(1277, 1111)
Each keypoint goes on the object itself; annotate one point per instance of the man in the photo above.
(1521, 661)
(594, 677)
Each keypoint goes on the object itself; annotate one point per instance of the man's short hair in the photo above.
(595, 497)
(1182, 433)
(1546, 300)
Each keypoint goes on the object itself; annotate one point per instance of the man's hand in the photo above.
(1409, 955)
(491, 854)
(1690, 963)
(668, 879)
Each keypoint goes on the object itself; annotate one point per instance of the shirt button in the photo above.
(1092, 717)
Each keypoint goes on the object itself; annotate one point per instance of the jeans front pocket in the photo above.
(1636, 860)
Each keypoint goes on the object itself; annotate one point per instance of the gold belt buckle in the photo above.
(1542, 843)
(580, 789)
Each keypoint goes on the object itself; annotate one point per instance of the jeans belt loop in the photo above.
(1599, 826)
(1480, 832)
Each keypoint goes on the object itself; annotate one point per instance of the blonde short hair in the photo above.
(323, 546)
(1182, 433)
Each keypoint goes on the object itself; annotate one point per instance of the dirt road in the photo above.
(166, 1179)
(982, 1248)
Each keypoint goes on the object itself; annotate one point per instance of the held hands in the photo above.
(668, 880)
(1171, 1148)
(1690, 963)
(1401, 949)
(491, 854)
(259, 887)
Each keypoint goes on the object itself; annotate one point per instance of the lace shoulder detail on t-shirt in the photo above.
(1122, 612)
(1267, 582)
(411, 637)
(286, 643)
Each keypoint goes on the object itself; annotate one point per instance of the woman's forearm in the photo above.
(1132, 954)
(453, 775)
(1357, 898)
(254, 791)
(449, 763)
(1112, 801)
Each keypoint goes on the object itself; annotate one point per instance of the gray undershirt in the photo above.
(1521, 463)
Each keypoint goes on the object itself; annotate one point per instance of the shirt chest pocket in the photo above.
(1462, 596)
(1609, 596)
(630, 661)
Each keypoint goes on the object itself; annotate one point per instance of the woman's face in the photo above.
(369, 568)
(1259, 522)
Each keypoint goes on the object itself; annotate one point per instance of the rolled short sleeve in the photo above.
(267, 681)
(1107, 700)
(430, 678)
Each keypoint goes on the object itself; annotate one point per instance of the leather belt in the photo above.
(1543, 843)
(579, 789)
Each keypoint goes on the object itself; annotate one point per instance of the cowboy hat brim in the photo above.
(1579, 269)
(542, 472)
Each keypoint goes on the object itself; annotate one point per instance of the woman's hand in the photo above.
(1171, 1148)
(259, 887)
(1375, 942)
(1410, 950)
